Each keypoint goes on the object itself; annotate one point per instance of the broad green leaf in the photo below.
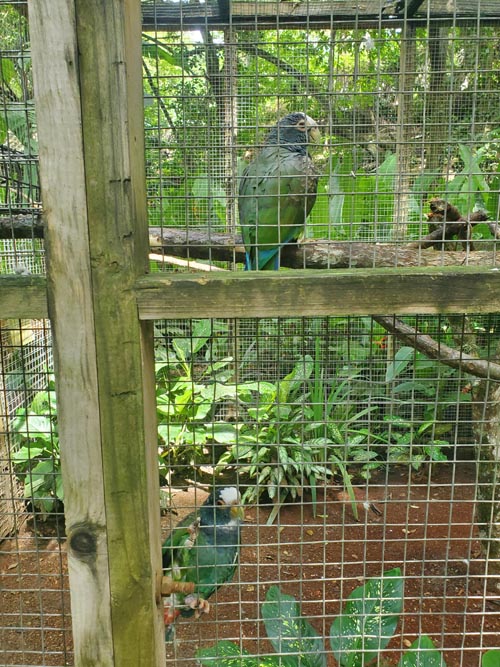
(221, 432)
(217, 391)
(202, 331)
(291, 635)
(368, 621)
(426, 389)
(301, 372)
(423, 653)
(3, 129)
(491, 658)
(27, 454)
(159, 51)
(35, 424)
(401, 360)
(182, 348)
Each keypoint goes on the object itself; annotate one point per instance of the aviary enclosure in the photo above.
(351, 397)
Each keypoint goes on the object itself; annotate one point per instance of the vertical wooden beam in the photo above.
(88, 87)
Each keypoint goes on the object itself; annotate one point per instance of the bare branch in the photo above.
(481, 368)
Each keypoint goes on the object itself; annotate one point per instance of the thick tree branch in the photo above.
(481, 368)
(23, 225)
(321, 254)
(313, 254)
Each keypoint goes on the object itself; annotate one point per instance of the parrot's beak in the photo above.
(314, 134)
(237, 512)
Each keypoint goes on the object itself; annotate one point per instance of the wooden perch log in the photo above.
(321, 254)
(310, 254)
(169, 586)
(22, 226)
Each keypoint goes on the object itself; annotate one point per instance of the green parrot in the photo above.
(278, 190)
(202, 549)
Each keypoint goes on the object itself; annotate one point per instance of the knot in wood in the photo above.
(83, 542)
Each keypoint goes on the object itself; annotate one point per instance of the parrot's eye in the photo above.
(301, 124)
(220, 502)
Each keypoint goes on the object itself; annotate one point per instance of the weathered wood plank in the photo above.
(23, 297)
(297, 293)
(87, 67)
(109, 40)
(55, 58)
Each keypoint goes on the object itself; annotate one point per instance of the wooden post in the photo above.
(88, 88)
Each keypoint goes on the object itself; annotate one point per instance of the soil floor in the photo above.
(425, 528)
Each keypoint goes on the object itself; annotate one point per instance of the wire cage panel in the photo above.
(21, 248)
(35, 626)
(408, 157)
(356, 457)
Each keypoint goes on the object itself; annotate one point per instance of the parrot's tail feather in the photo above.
(263, 260)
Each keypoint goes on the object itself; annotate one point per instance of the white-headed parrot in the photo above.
(203, 549)
(278, 190)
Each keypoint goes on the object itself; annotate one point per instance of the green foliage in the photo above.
(299, 433)
(291, 635)
(357, 637)
(422, 653)
(491, 658)
(368, 621)
(36, 452)
(415, 380)
(187, 400)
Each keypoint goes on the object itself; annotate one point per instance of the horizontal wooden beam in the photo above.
(287, 293)
(310, 293)
(23, 297)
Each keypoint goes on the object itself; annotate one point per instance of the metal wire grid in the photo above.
(280, 553)
(35, 618)
(211, 402)
(19, 184)
(406, 115)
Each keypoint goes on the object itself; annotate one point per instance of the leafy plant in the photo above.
(300, 431)
(416, 430)
(368, 621)
(357, 636)
(190, 388)
(36, 456)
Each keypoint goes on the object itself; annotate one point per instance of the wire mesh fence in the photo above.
(355, 456)
(358, 452)
(406, 115)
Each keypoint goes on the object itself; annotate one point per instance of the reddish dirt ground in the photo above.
(426, 528)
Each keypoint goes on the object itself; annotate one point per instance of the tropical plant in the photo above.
(36, 452)
(299, 432)
(357, 638)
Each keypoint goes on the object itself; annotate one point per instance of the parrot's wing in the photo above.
(210, 565)
(179, 539)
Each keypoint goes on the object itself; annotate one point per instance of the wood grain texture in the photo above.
(307, 293)
(87, 68)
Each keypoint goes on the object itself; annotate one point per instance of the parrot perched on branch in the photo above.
(278, 190)
(203, 550)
